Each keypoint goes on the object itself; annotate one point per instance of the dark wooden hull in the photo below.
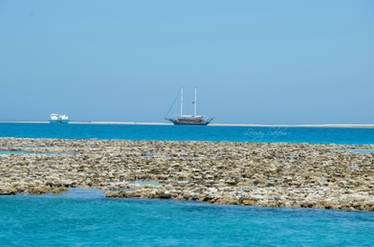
(189, 122)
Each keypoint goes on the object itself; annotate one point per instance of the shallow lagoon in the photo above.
(78, 218)
(190, 133)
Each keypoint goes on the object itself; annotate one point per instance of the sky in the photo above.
(264, 62)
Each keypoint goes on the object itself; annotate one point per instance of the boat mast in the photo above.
(181, 102)
(195, 102)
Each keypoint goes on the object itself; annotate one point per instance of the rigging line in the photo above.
(175, 100)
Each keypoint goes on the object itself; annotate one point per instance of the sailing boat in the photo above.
(194, 119)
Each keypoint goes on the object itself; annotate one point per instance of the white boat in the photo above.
(184, 119)
(58, 118)
(64, 118)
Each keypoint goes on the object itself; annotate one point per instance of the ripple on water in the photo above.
(85, 218)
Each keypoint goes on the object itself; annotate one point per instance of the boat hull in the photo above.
(189, 122)
(58, 121)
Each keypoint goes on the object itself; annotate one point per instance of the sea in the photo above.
(82, 217)
(190, 133)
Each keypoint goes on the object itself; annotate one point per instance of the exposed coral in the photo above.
(261, 174)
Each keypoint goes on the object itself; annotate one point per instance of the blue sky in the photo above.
(253, 61)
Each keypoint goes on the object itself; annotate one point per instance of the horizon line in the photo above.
(352, 125)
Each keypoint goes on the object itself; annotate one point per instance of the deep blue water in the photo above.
(91, 220)
(197, 133)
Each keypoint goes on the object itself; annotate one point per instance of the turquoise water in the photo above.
(361, 151)
(81, 219)
(78, 218)
(198, 133)
(26, 152)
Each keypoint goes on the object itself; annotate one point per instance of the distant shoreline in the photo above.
(214, 124)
